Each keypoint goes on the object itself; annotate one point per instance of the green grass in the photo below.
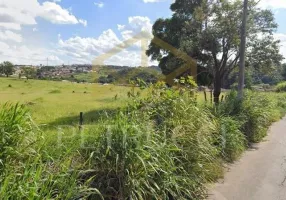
(163, 144)
(53, 102)
(50, 101)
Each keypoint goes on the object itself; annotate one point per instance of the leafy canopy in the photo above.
(209, 31)
(7, 68)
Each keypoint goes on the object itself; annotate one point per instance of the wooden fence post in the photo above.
(80, 120)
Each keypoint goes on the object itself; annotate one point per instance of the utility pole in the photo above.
(242, 50)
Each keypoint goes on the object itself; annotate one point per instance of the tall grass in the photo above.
(15, 133)
(129, 160)
(24, 173)
(164, 146)
(255, 113)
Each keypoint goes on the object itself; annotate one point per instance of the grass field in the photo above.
(156, 140)
(61, 102)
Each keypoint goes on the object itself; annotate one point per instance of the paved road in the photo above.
(261, 172)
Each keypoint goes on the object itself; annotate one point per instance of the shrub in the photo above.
(256, 112)
(281, 87)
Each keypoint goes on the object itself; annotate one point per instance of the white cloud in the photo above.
(11, 26)
(21, 54)
(57, 15)
(274, 4)
(75, 49)
(83, 22)
(99, 4)
(88, 48)
(136, 24)
(15, 13)
(9, 35)
(152, 1)
(85, 50)
(120, 27)
(35, 29)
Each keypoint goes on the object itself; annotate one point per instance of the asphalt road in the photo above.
(261, 172)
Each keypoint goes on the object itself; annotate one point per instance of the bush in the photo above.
(256, 112)
(281, 87)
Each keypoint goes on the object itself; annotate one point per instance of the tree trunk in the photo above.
(217, 87)
(7, 75)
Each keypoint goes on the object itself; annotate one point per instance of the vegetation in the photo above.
(125, 75)
(29, 72)
(209, 32)
(147, 140)
(281, 87)
(59, 103)
(6, 68)
(163, 144)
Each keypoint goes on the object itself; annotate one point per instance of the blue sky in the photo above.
(77, 31)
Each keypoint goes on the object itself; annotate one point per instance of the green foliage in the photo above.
(209, 31)
(127, 159)
(255, 113)
(15, 126)
(233, 141)
(23, 172)
(281, 87)
(7, 68)
(123, 76)
(29, 72)
(34, 179)
(164, 145)
(106, 79)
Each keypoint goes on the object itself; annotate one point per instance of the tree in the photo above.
(7, 68)
(209, 31)
(29, 72)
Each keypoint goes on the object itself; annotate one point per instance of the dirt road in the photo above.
(260, 174)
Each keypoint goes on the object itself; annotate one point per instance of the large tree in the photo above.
(7, 68)
(209, 31)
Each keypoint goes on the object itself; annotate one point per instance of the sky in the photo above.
(34, 32)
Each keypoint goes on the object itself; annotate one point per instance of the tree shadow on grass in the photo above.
(91, 117)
